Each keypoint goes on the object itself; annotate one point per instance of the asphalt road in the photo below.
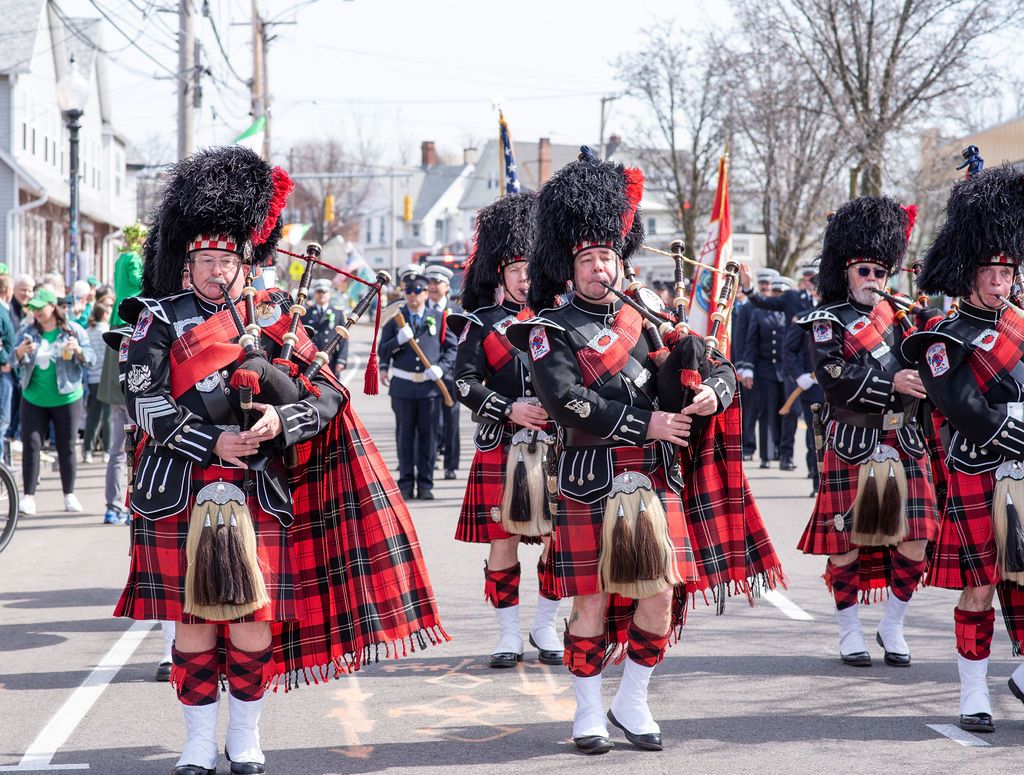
(753, 691)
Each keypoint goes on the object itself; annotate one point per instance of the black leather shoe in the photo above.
(245, 768)
(593, 744)
(449, 474)
(1015, 690)
(860, 659)
(425, 495)
(977, 722)
(765, 464)
(506, 659)
(787, 465)
(163, 671)
(649, 742)
(406, 493)
(813, 493)
(747, 458)
(892, 659)
(547, 657)
(193, 769)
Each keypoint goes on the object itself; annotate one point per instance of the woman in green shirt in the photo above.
(53, 356)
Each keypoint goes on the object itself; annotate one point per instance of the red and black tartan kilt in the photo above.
(484, 491)
(838, 491)
(965, 553)
(576, 539)
(156, 580)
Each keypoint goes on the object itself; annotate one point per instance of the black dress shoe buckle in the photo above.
(977, 722)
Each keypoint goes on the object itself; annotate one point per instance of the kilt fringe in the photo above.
(751, 588)
(350, 663)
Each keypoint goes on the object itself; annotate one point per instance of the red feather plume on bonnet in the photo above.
(634, 193)
(283, 187)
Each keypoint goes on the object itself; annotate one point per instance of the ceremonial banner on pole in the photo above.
(716, 252)
(509, 172)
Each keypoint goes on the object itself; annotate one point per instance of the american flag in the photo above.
(510, 178)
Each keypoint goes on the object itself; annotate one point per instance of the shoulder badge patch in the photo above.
(122, 352)
(823, 331)
(859, 324)
(502, 325)
(938, 361)
(986, 340)
(142, 326)
(139, 378)
(539, 345)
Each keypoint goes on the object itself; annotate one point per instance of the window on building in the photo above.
(46, 149)
(33, 142)
(439, 230)
(652, 225)
(24, 136)
(382, 238)
(415, 230)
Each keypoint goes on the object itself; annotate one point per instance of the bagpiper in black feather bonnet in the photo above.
(588, 203)
(226, 198)
(504, 236)
(984, 226)
(872, 229)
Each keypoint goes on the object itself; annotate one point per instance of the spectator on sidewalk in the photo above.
(81, 303)
(24, 287)
(97, 413)
(7, 341)
(128, 269)
(109, 392)
(53, 357)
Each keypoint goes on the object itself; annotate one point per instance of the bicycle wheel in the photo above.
(8, 506)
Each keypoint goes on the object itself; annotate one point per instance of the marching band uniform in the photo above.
(506, 492)
(970, 364)
(415, 398)
(213, 543)
(763, 351)
(448, 431)
(796, 356)
(320, 322)
(596, 373)
(876, 489)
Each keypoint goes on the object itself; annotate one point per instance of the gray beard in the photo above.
(866, 297)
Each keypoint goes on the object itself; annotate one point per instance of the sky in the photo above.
(390, 73)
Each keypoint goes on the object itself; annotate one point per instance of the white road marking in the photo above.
(350, 370)
(787, 606)
(957, 735)
(41, 752)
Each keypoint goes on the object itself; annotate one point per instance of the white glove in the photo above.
(806, 381)
(746, 373)
(434, 373)
(405, 334)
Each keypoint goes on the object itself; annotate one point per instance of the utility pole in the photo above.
(604, 101)
(186, 84)
(257, 86)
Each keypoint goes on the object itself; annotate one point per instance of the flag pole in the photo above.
(501, 155)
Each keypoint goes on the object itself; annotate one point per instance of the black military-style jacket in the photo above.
(487, 392)
(862, 402)
(320, 322)
(615, 412)
(184, 431)
(981, 430)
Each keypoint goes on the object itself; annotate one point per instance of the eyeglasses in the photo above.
(867, 271)
(224, 264)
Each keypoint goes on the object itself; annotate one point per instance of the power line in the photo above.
(133, 42)
(220, 45)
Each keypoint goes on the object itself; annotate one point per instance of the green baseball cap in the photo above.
(41, 298)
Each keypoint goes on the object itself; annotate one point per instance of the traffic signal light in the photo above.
(407, 208)
(329, 208)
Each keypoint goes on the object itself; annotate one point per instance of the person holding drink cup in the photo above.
(52, 357)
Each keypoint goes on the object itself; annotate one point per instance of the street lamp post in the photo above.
(72, 95)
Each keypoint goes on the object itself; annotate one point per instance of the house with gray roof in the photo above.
(41, 44)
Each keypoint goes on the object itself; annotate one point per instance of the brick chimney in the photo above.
(428, 154)
(543, 160)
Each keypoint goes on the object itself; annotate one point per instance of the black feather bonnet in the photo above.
(984, 225)
(227, 192)
(504, 235)
(587, 203)
(875, 229)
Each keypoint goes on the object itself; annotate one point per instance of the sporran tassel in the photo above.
(201, 575)
(222, 562)
(623, 568)
(243, 583)
(1009, 529)
(650, 563)
(865, 507)
(890, 512)
(880, 511)
(523, 502)
(519, 510)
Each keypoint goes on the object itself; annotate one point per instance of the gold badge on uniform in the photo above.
(267, 313)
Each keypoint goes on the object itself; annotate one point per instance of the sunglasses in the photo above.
(867, 271)
(415, 289)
